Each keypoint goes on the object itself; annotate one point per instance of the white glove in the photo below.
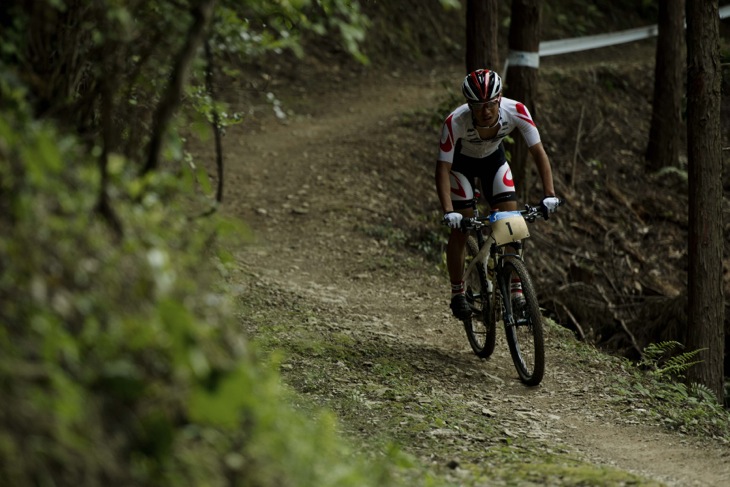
(453, 219)
(550, 205)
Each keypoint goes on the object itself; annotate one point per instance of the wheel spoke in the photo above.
(524, 330)
(480, 330)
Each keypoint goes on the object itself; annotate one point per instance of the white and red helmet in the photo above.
(481, 85)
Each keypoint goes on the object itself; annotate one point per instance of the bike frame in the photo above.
(491, 251)
(500, 252)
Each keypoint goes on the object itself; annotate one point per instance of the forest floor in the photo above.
(332, 192)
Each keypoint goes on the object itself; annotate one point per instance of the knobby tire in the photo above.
(479, 327)
(525, 338)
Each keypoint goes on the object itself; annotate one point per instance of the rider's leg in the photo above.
(518, 298)
(455, 257)
(456, 251)
(462, 195)
(502, 197)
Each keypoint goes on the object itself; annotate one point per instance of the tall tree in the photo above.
(663, 148)
(521, 83)
(706, 304)
(482, 29)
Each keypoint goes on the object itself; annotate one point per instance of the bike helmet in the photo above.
(482, 85)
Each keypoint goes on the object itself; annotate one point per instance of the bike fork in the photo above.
(505, 291)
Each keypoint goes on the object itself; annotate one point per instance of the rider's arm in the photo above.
(443, 185)
(543, 168)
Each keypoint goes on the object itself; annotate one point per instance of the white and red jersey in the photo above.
(459, 125)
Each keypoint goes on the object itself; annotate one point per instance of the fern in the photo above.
(653, 352)
(681, 173)
(676, 365)
(702, 392)
(679, 364)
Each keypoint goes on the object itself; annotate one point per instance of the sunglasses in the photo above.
(488, 104)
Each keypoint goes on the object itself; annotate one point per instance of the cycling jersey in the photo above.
(473, 157)
(460, 127)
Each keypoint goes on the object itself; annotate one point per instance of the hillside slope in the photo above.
(336, 193)
(346, 277)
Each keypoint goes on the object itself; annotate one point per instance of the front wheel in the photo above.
(479, 327)
(523, 322)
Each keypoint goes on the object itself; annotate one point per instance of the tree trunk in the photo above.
(663, 148)
(521, 83)
(202, 15)
(216, 122)
(706, 304)
(482, 29)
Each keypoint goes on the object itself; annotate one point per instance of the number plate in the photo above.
(508, 226)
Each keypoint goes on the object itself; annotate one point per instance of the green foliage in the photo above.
(388, 232)
(658, 357)
(690, 408)
(450, 4)
(121, 361)
(250, 29)
(668, 171)
(83, 59)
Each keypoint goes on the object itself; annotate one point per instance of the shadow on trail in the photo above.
(389, 358)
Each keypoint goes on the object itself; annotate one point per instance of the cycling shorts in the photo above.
(494, 175)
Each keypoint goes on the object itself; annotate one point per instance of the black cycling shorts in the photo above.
(494, 175)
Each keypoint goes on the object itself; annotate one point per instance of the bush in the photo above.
(120, 360)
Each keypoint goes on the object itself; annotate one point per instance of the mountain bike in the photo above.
(495, 263)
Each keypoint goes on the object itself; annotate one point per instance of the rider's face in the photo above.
(487, 113)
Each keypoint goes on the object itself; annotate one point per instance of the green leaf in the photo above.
(223, 405)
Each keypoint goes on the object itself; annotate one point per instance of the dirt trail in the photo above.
(307, 184)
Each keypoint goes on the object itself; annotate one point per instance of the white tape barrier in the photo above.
(562, 46)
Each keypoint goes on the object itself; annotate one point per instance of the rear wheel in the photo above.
(480, 329)
(523, 323)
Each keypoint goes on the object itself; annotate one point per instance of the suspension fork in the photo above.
(504, 286)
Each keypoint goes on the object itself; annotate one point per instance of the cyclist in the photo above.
(471, 147)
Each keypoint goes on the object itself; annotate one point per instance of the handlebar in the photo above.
(530, 214)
